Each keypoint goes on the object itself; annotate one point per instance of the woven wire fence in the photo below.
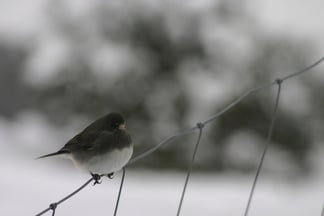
(199, 127)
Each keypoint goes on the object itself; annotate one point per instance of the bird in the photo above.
(102, 148)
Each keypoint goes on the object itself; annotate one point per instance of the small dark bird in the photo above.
(102, 148)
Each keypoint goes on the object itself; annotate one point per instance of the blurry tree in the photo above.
(14, 92)
(142, 58)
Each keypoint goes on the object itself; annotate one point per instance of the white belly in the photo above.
(109, 162)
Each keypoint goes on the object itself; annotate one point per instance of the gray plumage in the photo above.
(103, 146)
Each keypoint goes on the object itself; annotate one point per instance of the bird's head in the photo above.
(115, 121)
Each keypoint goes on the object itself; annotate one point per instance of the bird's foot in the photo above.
(96, 178)
(110, 175)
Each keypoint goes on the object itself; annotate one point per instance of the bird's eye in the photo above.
(115, 125)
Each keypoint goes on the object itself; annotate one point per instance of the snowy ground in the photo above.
(28, 191)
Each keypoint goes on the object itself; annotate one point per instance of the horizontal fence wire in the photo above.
(54, 205)
(199, 126)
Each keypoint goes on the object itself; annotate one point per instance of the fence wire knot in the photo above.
(200, 125)
(53, 206)
(278, 81)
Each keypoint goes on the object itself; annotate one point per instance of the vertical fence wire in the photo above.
(266, 145)
(53, 211)
(200, 126)
(120, 190)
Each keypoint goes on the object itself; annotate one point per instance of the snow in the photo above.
(29, 187)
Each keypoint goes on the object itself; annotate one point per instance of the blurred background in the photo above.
(165, 65)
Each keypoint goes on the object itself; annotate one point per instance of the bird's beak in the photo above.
(122, 127)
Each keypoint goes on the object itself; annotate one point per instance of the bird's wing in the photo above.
(97, 142)
(83, 141)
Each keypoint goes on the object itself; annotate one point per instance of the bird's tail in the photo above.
(60, 152)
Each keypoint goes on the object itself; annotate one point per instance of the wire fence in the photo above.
(199, 127)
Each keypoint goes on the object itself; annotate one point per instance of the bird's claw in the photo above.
(96, 178)
(110, 175)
